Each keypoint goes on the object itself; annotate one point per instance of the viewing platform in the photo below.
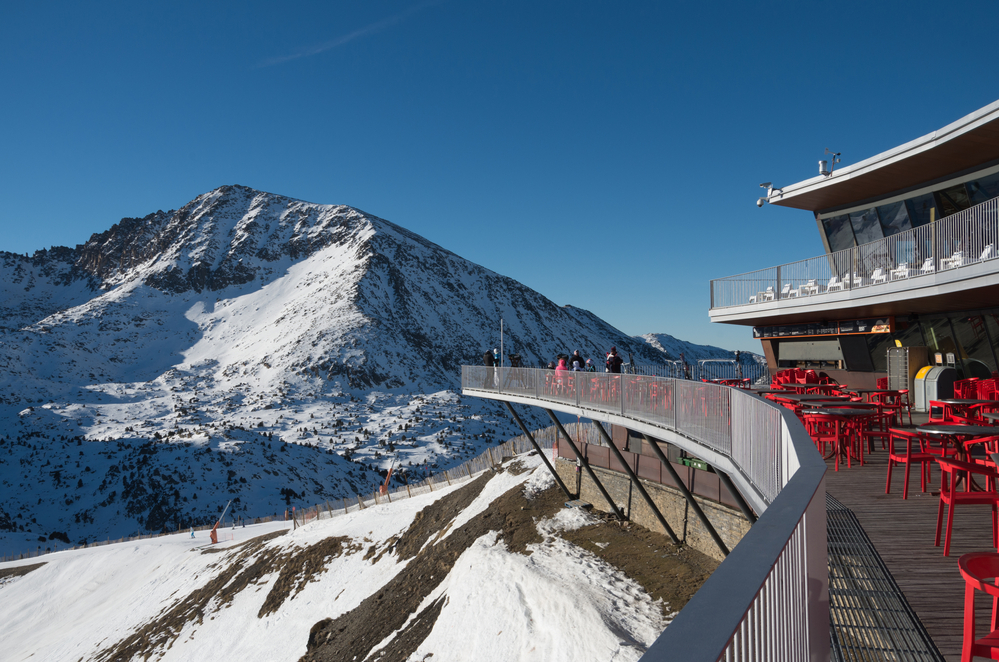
(885, 591)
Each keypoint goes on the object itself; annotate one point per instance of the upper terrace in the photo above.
(947, 265)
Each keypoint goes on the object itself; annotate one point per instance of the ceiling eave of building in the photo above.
(962, 146)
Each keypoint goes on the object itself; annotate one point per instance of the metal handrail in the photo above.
(959, 240)
(769, 598)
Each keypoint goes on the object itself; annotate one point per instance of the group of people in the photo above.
(576, 362)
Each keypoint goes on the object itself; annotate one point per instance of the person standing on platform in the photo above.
(614, 362)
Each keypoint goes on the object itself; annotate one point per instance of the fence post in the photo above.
(620, 384)
(344, 506)
(359, 502)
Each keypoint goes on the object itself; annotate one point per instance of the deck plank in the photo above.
(903, 532)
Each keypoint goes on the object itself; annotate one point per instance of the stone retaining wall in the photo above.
(730, 523)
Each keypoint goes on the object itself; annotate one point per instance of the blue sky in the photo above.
(608, 155)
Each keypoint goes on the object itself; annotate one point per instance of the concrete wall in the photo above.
(730, 523)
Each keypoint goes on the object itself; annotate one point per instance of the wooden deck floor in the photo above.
(903, 531)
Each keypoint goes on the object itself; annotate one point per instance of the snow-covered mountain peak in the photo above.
(241, 322)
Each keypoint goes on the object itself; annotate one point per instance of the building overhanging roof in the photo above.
(958, 147)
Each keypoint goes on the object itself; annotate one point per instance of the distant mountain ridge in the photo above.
(245, 314)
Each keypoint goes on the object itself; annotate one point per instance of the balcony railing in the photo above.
(769, 599)
(957, 241)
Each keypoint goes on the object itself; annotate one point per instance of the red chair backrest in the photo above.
(882, 382)
(966, 388)
(986, 388)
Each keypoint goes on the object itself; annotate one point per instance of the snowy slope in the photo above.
(399, 581)
(250, 347)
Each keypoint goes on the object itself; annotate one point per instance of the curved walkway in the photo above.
(769, 598)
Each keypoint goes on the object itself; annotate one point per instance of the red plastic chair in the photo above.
(901, 451)
(906, 404)
(949, 495)
(977, 569)
(989, 444)
(966, 388)
(882, 382)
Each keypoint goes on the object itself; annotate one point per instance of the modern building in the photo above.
(911, 238)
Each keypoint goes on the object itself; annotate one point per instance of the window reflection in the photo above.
(839, 233)
(940, 338)
(953, 200)
(983, 189)
(974, 346)
(921, 209)
(866, 226)
(894, 218)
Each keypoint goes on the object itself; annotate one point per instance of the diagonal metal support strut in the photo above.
(743, 506)
(637, 483)
(541, 452)
(687, 495)
(586, 465)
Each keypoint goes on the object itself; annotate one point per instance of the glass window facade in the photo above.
(839, 232)
(894, 218)
(952, 200)
(973, 338)
(983, 189)
(922, 209)
(866, 226)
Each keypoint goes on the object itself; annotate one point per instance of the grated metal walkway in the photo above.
(870, 617)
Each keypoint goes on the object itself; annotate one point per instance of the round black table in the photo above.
(807, 397)
(842, 416)
(963, 430)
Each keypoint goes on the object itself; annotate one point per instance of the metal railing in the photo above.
(769, 599)
(965, 238)
(756, 373)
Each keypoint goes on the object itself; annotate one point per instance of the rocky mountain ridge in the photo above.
(175, 357)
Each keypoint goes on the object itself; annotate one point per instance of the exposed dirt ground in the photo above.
(665, 571)
(242, 566)
(649, 558)
(20, 571)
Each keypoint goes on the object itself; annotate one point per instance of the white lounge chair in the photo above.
(953, 262)
(987, 254)
(835, 284)
(769, 294)
(809, 288)
(901, 271)
(856, 281)
(878, 276)
(928, 266)
(785, 291)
